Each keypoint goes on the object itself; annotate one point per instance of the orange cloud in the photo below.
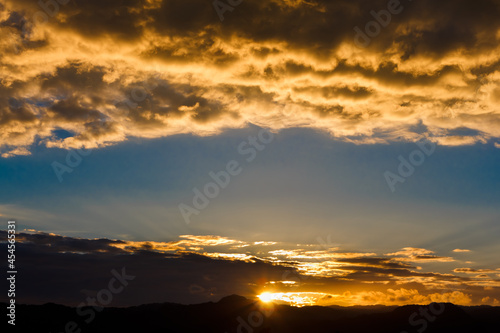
(144, 71)
(348, 280)
(412, 296)
(389, 297)
(418, 254)
(473, 270)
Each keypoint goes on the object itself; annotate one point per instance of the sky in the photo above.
(320, 152)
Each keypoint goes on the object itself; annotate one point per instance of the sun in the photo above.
(266, 297)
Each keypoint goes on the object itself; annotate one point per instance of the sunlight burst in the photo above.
(292, 298)
(266, 297)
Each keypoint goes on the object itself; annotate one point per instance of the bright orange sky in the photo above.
(295, 274)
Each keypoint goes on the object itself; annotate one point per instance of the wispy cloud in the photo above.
(417, 254)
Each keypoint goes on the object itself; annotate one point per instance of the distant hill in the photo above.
(236, 314)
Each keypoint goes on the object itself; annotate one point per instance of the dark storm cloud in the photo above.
(67, 270)
(317, 26)
(376, 262)
(430, 27)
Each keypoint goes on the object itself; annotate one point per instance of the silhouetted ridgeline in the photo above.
(236, 314)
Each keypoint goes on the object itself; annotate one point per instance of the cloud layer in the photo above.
(102, 73)
(202, 268)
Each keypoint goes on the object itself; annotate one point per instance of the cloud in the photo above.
(203, 268)
(461, 250)
(387, 297)
(489, 300)
(19, 151)
(106, 73)
(412, 296)
(473, 270)
(418, 254)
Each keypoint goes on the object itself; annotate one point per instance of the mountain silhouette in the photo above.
(237, 314)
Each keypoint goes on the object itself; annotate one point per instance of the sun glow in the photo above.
(266, 297)
(292, 298)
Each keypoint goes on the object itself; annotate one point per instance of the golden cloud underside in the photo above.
(107, 72)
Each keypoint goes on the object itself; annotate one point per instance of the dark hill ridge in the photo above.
(236, 314)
